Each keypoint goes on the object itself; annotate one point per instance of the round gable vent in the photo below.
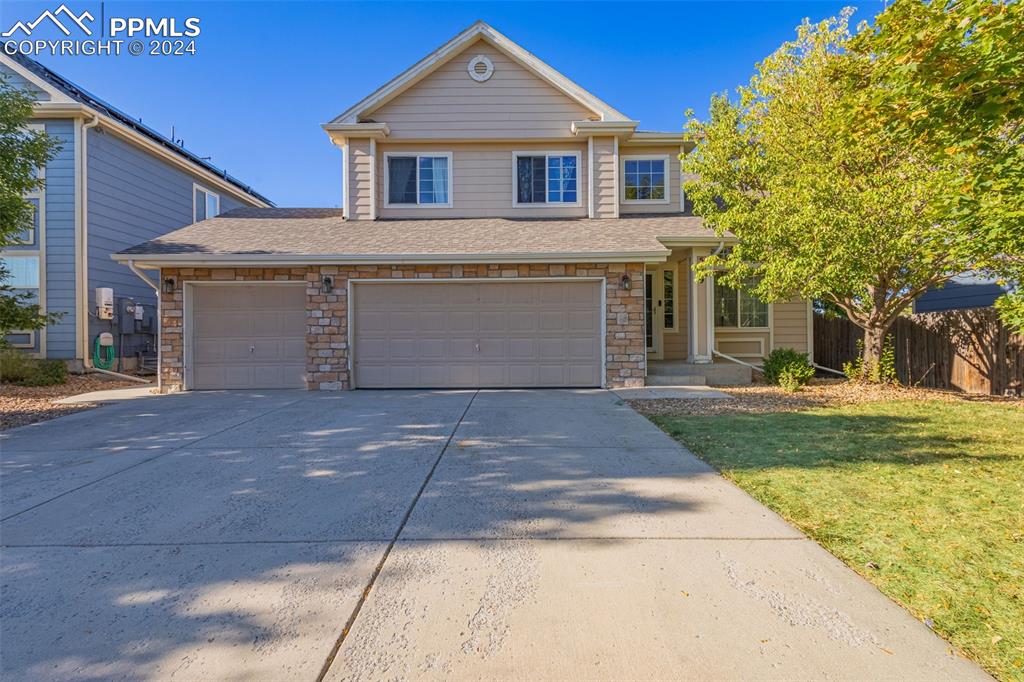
(480, 68)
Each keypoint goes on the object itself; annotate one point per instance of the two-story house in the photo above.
(112, 183)
(501, 227)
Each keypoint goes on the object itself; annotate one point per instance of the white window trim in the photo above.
(546, 204)
(417, 155)
(31, 338)
(738, 325)
(196, 186)
(644, 157)
(38, 196)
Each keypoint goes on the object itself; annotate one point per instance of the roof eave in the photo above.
(271, 260)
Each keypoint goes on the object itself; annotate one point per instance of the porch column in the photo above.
(702, 311)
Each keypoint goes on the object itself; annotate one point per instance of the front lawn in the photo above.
(924, 498)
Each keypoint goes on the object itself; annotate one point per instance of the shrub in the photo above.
(19, 368)
(792, 377)
(787, 368)
(882, 372)
(15, 366)
(47, 373)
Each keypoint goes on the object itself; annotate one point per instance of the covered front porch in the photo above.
(696, 332)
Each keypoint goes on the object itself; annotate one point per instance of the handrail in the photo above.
(823, 368)
(738, 361)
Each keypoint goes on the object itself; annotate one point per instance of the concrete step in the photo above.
(714, 374)
(676, 380)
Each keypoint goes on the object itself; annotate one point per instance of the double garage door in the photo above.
(406, 335)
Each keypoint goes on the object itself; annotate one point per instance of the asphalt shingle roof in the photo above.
(318, 231)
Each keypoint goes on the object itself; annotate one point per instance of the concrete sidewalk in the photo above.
(414, 535)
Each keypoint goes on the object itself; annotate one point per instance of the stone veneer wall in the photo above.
(327, 314)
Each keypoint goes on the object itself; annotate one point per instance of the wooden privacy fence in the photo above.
(967, 350)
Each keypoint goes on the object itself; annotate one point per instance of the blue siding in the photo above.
(133, 196)
(19, 82)
(60, 241)
(955, 296)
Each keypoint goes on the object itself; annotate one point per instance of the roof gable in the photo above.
(454, 47)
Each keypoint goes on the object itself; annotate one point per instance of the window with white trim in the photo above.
(546, 179)
(419, 179)
(28, 235)
(737, 309)
(206, 204)
(22, 270)
(669, 292)
(644, 179)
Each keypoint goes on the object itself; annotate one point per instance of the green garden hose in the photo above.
(100, 358)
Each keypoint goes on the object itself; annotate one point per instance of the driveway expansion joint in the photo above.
(387, 551)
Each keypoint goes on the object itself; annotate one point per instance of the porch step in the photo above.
(676, 380)
(713, 374)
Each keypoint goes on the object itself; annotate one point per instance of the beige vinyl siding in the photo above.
(746, 344)
(676, 344)
(483, 181)
(512, 103)
(790, 325)
(359, 180)
(604, 177)
(672, 180)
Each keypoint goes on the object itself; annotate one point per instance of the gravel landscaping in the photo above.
(21, 405)
(763, 399)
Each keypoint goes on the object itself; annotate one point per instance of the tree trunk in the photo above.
(874, 343)
(871, 368)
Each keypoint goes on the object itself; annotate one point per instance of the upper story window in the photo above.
(206, 204)
(546, 179)
(419, 179)
(644, 179)
(738, 309)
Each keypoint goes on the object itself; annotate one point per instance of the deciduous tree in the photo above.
(825, 202)
(22, 152)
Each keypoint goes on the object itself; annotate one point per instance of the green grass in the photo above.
(931, 492)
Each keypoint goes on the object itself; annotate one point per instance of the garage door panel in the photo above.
(459, 321)
(493, 321)
(462, 349)
(501, 333)
(493, 348)
(552, 320)
(522, 348)
(247, 336)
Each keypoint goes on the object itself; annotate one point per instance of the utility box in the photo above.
(104, 303)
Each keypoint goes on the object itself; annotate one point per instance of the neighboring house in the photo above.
(113, 182)
(501, 227)
(963, 291)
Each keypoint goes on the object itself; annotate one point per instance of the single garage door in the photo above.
(477, 334)
(247, 336)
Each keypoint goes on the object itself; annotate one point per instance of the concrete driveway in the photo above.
(418, 535)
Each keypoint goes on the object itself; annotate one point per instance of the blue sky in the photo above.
(267, 74)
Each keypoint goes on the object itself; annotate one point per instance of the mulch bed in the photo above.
(21, 405)
(761, 398)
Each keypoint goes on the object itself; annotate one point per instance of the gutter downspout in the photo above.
(159, 318)
(83, 240)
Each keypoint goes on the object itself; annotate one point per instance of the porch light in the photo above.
(626, 283)
(328, 284)
(168, 285)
